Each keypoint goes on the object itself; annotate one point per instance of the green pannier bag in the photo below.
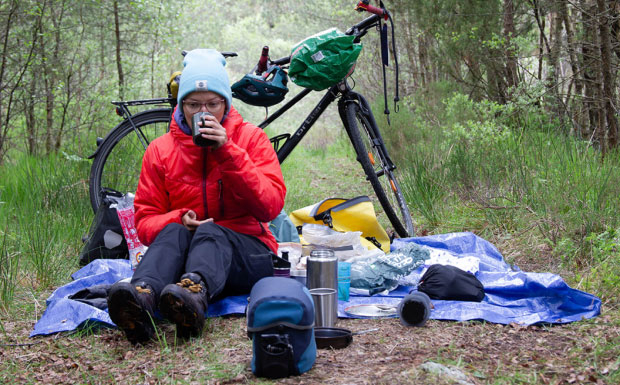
(323, 60)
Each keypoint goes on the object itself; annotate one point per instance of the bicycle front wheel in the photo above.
(379, 169)
(118, 161)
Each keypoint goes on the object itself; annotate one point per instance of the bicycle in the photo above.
(119, 151)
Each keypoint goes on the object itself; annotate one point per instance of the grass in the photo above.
(44, 215)
(545, 200)
(9, 267)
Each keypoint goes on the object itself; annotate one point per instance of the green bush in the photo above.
(507, 172)
(601, 272)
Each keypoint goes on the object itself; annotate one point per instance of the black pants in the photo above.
(229, 262)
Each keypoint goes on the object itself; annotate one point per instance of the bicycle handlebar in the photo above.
(281, 61)
(365, 6)
(363, 26)
(358, 29)
(225, 54)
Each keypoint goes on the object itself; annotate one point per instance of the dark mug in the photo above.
(415, 309)
(196, 134)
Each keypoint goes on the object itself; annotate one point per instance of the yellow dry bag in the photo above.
(356, 214)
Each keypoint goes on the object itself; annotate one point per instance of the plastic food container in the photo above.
(299, 275)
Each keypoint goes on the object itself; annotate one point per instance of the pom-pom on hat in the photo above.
(204, 71)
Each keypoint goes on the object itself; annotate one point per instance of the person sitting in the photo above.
(203, 211)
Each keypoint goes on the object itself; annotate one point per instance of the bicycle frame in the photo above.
(347, 95)
(293, 140)
(339, 89)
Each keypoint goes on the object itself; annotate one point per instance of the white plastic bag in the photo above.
(346, 245)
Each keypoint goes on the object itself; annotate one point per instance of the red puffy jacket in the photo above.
(239, 185)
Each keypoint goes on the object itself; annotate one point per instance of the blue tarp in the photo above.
(511, 295)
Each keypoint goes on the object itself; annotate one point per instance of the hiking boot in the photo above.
(131, 308)
(185, 305)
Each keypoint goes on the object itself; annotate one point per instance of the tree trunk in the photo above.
(553, 76)
(615, 28)
(3, 65)
(27, 62)
(29, 115)
(577, 113)
(409, 42)
(589, 41)
(119, 64)
(609, 97)
(102, 42)
(49, 82)
(425, 73)
(511, 74)
(154, 50)
(543, 43)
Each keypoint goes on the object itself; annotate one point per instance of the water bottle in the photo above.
(281, 265)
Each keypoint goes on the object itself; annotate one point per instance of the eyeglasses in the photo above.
(211, 106)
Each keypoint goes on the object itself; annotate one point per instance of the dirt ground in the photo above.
(577, 353)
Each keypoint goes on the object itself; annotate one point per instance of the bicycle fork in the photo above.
(351, 97)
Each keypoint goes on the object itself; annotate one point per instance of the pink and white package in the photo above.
(126, 213)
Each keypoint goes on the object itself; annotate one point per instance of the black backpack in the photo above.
(451, 283)
(105, 238)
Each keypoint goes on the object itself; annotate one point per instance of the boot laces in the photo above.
(190, 285)
(143, 290)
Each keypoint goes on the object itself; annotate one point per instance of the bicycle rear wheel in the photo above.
(118, 161)
(379, 169)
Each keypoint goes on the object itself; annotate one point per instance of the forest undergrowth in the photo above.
(547, 201)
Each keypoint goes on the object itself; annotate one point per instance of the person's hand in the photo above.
(214, 131)
(190, 222)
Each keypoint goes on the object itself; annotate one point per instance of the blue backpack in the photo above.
(280, 319)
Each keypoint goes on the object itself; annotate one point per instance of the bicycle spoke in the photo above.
(379, 170)
(119, 160)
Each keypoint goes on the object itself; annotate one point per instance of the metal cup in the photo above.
(196, 134)
(325, 301)
(323, 272)
(415, 309)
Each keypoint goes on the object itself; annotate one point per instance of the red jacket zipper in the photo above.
(221, 185)
(204, 182)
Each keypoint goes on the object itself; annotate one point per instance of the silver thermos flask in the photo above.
(322, 268)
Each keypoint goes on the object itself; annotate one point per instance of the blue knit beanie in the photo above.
(204, 71)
